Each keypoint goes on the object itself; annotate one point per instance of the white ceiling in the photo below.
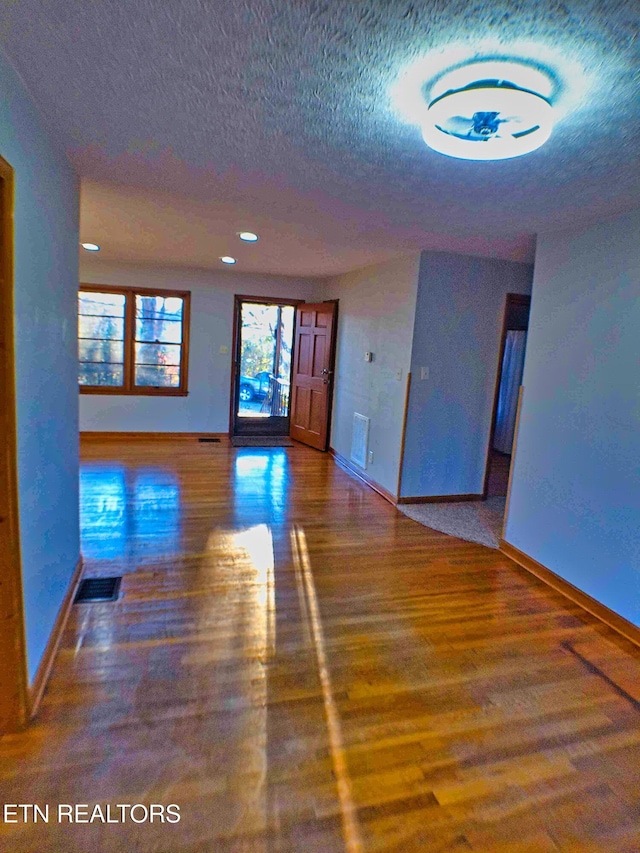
(190, 120)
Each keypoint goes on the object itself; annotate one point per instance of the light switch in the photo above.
(224, 350)
(399, 374)
(424, 373)
(368, 356)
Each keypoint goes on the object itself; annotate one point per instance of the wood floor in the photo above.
(302, 668)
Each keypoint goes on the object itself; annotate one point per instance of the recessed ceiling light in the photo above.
(489, 111)
(227, 259)
(248, 236)
(90, 247)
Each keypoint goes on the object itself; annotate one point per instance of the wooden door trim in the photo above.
(403, 434)
(268, 300)
(36, 690)
(509, 300)
(14, 698)
(332, 366)
(512, 466)
(238, 299)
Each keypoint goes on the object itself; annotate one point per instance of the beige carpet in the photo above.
(475, 521)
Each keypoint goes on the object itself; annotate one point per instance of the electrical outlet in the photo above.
(368, 356)
(370, 457)
(224, 350)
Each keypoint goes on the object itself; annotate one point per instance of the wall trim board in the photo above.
(403, 434)
(438, 499)
(36, 690)
(610, 618)
(512, 466)
(14, 699)
(350, 468)
(93, 435)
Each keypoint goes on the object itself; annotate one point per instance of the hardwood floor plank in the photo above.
(302, 668)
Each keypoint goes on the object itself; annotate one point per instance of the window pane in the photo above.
(163, 331)
(106, 351)
(101, 374)
(100, 339)
(158, 354)
(101, 304)
(101, 327)
(159, 307)
(157, 376)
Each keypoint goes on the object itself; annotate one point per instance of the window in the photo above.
(133, 341)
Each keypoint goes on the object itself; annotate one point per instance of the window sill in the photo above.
(137, 392)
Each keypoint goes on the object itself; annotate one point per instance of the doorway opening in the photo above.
(283, 367)
(263, 348)
(14, 696)
(508, 381)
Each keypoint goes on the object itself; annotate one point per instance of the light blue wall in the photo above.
(575, 496)
(46, 283)
(458, 322)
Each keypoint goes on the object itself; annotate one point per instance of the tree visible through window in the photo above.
(101, 338)
(133, 341)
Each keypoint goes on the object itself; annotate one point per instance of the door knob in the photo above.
(326, 372)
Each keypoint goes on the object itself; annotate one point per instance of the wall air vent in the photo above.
(360, 439)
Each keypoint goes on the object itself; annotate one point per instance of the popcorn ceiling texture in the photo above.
(278, 112)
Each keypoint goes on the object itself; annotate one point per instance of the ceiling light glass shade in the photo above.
(248, 236)
(90, 247)
(227, 259)
(489, 120)
(521, 75)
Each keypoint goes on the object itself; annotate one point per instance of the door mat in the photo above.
(261, 441)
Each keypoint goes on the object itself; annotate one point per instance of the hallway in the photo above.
(300, 667)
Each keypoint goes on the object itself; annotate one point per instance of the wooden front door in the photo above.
(312, 379)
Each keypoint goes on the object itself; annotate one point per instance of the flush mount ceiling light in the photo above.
(227, 259)
(90, 247)
(248, 236)
(489, 111)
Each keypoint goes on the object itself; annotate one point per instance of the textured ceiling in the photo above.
(189, 120)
